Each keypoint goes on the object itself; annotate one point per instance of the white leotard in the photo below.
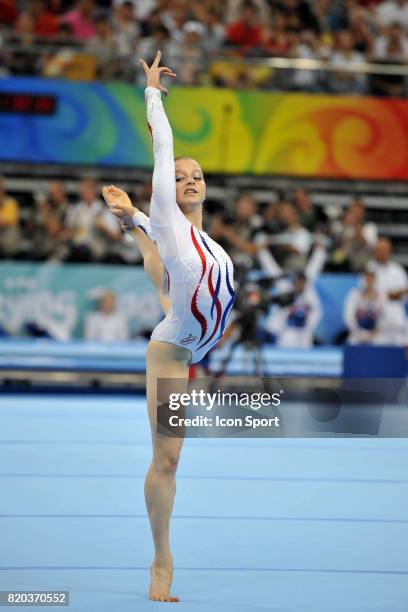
(199, 272)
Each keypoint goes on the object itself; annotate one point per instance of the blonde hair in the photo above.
(186, 157)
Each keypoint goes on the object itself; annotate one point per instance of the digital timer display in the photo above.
(27, 104)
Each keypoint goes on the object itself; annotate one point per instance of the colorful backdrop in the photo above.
(227, 131)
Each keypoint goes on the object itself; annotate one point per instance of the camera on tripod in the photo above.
(255, 297)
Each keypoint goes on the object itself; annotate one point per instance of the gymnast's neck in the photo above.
(194, 214)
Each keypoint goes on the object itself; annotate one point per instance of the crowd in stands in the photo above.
(208, 42)
(288, 241)
(57, 226)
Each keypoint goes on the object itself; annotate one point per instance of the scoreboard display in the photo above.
(27, 103)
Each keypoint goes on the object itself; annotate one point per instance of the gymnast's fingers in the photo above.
(144, 65)
(167, 71)
(156, 60)
(118, 212)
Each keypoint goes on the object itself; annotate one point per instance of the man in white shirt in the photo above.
(344, 53)
(393, 11)
(294, 242)
(391, 280)
(364, 311)
(394, 33)
(142, 8)
(106, 324)
(94, 231)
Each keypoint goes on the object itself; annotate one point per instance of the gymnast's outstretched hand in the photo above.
(154, 73)
(119, 204)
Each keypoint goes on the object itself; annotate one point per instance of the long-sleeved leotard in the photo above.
(199, 272)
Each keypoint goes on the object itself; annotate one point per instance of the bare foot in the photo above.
(161, 577)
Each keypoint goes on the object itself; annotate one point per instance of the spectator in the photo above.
(147, 48)
(6, 58)
(361, 31)
(344, 53)
(214, 32)
(45, 22)
(25, 60)
(82, 20)
(240, 231)
(50, 234)
(64, 37)
(142, 9)
(190, 54)
(127, 252)
(391, 280)
(59, 7)
(175, 19)
(369, 229)
(294, 319)
(104, 46)
(234, 8)
(307, 215)
(370, 4)
(246, 32)
(356, 240)
(236, 75)
(8, 12)
(106, 324)
(144, 196)
(150, 23)
(275, 40)
(58, 199)
(392, 11)
(9, 228)
(391, 48)
(305, 47)
(126, 30)
(394, 34)
(364, 311)
(58, 64)
(293, 244)
(299, 15)
(272, 223)
(331, 16)
(95, 232)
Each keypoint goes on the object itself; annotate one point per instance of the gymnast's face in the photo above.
(190, 185)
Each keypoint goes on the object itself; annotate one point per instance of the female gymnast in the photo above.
(197, 298)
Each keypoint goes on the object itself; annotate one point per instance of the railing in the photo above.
(327, 66)
(263, 72)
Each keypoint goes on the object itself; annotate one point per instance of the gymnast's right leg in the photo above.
(163, 360)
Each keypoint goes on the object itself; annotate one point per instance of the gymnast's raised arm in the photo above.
(163, 209)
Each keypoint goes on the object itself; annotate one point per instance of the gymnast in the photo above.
(194, 279)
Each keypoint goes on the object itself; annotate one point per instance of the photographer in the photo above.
(297, 311)
(253, 300)
(295, 314)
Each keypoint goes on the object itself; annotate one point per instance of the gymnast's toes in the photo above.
(167, 598)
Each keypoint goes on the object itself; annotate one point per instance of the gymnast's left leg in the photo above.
(167, 361)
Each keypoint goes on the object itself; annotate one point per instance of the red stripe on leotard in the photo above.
(194, 308)
(217, 305)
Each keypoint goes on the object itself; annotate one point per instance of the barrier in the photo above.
(78, 356)
(298, 134)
